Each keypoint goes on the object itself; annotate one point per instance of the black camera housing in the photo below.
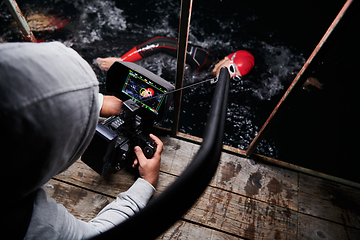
(144, 100)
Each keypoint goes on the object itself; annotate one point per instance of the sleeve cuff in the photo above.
(100, 101)
(141, 190)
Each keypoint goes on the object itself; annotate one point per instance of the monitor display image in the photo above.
(144, 91)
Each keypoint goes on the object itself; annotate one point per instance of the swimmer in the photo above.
(146, 92)
(239, 63)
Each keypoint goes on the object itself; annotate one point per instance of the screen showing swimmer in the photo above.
(144, 91)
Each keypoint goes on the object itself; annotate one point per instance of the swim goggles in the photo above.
(232, 70)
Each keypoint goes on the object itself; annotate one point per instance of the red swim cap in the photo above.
(243, 60)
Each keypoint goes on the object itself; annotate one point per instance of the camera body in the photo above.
(144, 100)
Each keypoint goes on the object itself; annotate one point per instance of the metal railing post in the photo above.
(301, 77)
(185, 16)
(20, 20)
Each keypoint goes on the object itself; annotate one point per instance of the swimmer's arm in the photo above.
(105, 63)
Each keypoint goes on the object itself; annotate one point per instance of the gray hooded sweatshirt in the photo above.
(49, 108)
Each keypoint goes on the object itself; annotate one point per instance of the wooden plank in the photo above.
(217, 208)
(177, 155)
(186, 230)
(315, 228)
(236, 174)
(243, 216)
(259, 181)
(85, 205)
(82, 175)
(245, 198)
(329, 200)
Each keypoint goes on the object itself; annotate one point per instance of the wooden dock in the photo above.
(245, 199)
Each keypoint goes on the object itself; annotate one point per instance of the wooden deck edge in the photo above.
(67, 194)
(307, 226)
(272, 161)
(245, 199)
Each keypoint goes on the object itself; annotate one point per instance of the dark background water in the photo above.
(318, 130)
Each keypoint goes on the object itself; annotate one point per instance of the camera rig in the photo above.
(144, 100)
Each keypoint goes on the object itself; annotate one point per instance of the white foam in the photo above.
(280, 64)
(98, 18)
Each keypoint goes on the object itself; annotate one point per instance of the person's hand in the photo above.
(111, 106)
(149, 168)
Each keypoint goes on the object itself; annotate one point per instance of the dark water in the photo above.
(317, 129)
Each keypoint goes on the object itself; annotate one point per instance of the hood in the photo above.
(48, 113)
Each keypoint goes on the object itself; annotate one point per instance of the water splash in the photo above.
(280, 65)
(98, 19)
(102, 28)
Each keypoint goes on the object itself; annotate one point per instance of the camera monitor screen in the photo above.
(144, 91)
(129, 80)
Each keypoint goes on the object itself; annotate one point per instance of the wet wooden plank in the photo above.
(243, 216)
(82, 175)
(329, 200)
(241, 181)
(255, 180)
(83, 204)
(236, 174)
(315, 228)
(186, 230)
(177, 155)
(245, 198)
(217, 208)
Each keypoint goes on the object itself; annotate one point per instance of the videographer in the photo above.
(49, 108)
